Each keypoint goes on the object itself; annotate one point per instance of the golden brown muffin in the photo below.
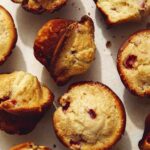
(29, 146)
(8, 34)
(40, 6)
(134, 63)
(144, 144)
(23, 101)
(65, 47)
(90, 117)
(120, 11)
(22, 93)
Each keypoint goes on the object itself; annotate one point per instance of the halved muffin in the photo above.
(144, 144)
(65, 47)
(8, 34)
(40, 6)
(90, 117)
(120, 11)
(23, 101)
(134, 63)
(29, 146)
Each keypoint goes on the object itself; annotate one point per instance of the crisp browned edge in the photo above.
(33, 111)
(122, 76)
(145, 133)
(24, 145)
(42, 10)
(50, 22)
(58, 49)
(119, 104)
(14, 40)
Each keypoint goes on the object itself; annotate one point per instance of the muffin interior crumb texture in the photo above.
(92, 118)
(22, 91)
(124, 10)
(134, 62)
(78, 51)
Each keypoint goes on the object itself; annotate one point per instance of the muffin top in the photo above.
(8, 34)
(91, 116)
(40, 6)
(134, 63)
(29, 146)
(77, 51)
(118, 11)
(22, 92)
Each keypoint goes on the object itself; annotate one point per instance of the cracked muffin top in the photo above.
(67, 49)
(29, 146)
(40, 6)
(21, 92)
(134, 63)
(119, 11)
(8, 34)
(90, 116)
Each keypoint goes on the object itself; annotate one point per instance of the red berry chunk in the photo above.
(92, 113)
(130, 61)
(66, 106)
(74, 142)
(14, 102)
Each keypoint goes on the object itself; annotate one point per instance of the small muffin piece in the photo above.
(67, 49)
(21, 92)
(120, 11)
(40, 6)
(91, 117)
(29, 146)
(134, 63)
(144, 144)
(8, 34)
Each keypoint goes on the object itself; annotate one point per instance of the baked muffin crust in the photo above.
(29, 146)
(144, 143)
(134, 63)
(90, 116)
(8, 34)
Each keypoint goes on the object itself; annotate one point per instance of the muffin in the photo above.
(134, 63)
(144, 144)
(29, 146)
(90, 117)
(120, 11)
(40, 6)
(66, 48)
(23, 101)
(8, 34)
